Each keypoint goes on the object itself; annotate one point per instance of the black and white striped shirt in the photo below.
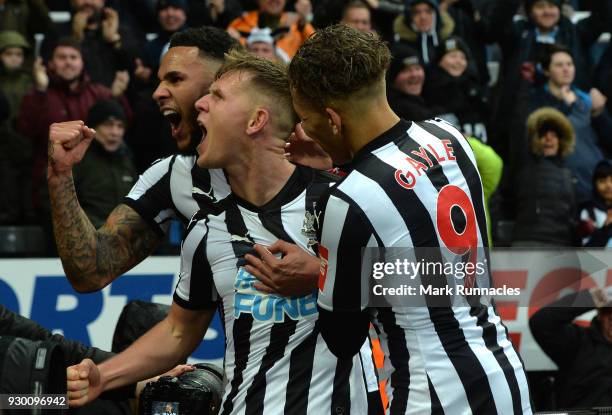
(400, 193)
(275, 360)
(175, 187)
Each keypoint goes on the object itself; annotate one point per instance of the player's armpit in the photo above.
(344, 332)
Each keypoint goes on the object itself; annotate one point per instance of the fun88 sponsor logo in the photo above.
(269, 307)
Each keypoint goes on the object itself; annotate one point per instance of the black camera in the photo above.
(197, 392)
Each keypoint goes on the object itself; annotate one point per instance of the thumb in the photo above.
(88, 133)
(84, 368)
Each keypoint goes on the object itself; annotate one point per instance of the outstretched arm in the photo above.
(158, 350)
(91, 258)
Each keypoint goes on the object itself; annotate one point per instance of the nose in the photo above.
(160, 92)
(201, 105)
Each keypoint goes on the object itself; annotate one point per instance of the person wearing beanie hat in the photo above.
(596, 215)
(453, 84)
(423, 26)
(405, 79)
(15, 80)
(546, 202)
(522, 41)
(261, 43)
(107, 172)
(172, 18)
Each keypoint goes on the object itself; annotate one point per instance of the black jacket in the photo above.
(517, 40)
(411, 107)
(102, 179)
(546, 206)
(462, 96)
(583, 355)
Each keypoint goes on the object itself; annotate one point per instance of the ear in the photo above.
(334, 120)
(258, 120)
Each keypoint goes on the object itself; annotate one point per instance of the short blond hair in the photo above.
(270, 79)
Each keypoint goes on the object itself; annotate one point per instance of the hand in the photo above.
(174, 372)
(142, 72)
(601, 296)
(110, 25)
(41, 79)
(120, 84)
(79, 23)
(304, 10)
(301, 149)
(295, 274)
(84, 383)
(234, 33)
(68, 142)
(599, 101)
(609, 217)
(217, 7)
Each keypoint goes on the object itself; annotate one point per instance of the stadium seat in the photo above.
(21, 241)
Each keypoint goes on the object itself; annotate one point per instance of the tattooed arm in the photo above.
(91, 258)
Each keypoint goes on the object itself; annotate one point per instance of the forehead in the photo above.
(560, 56)
(421, 7)
(231, 82)
(66, 50)
(357, 12)
(187, 61)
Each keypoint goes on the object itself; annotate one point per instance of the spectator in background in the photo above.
(65, 93)
(453, 84)
(583, 354)
(15, 150)
(106, 47)
(106, 173)
(218, 13)
(15, 168)
(521, 42)
(357, 14)
(15, 78)
(472, 25)
(26, 17)
(289, 29)
(261, 43)
(588, 115)
(405, 80)
(596, 216)
(546, 207)
(423, 27)
(172, 18)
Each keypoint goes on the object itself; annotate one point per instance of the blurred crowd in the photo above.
(526, 81)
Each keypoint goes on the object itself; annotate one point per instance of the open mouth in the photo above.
(173, 117)
(203, 129)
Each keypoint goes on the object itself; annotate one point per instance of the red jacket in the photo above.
(41, 109)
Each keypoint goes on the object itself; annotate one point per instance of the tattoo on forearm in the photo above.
(93, 258)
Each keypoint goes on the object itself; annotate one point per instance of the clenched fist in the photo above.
(83, 383)
(68, 142)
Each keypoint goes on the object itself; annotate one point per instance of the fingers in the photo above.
(259, 286)
(67, 134)
(260, 271)
(265, 255)
(281, 247)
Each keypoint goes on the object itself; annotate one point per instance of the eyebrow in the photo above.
(173, 74)
(215, 91)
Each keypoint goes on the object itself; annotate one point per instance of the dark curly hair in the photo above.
(336, 62)
(213, 42)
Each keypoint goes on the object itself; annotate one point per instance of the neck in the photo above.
(73, 85)
(557, 90)
(369, 125)
(261, 171)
